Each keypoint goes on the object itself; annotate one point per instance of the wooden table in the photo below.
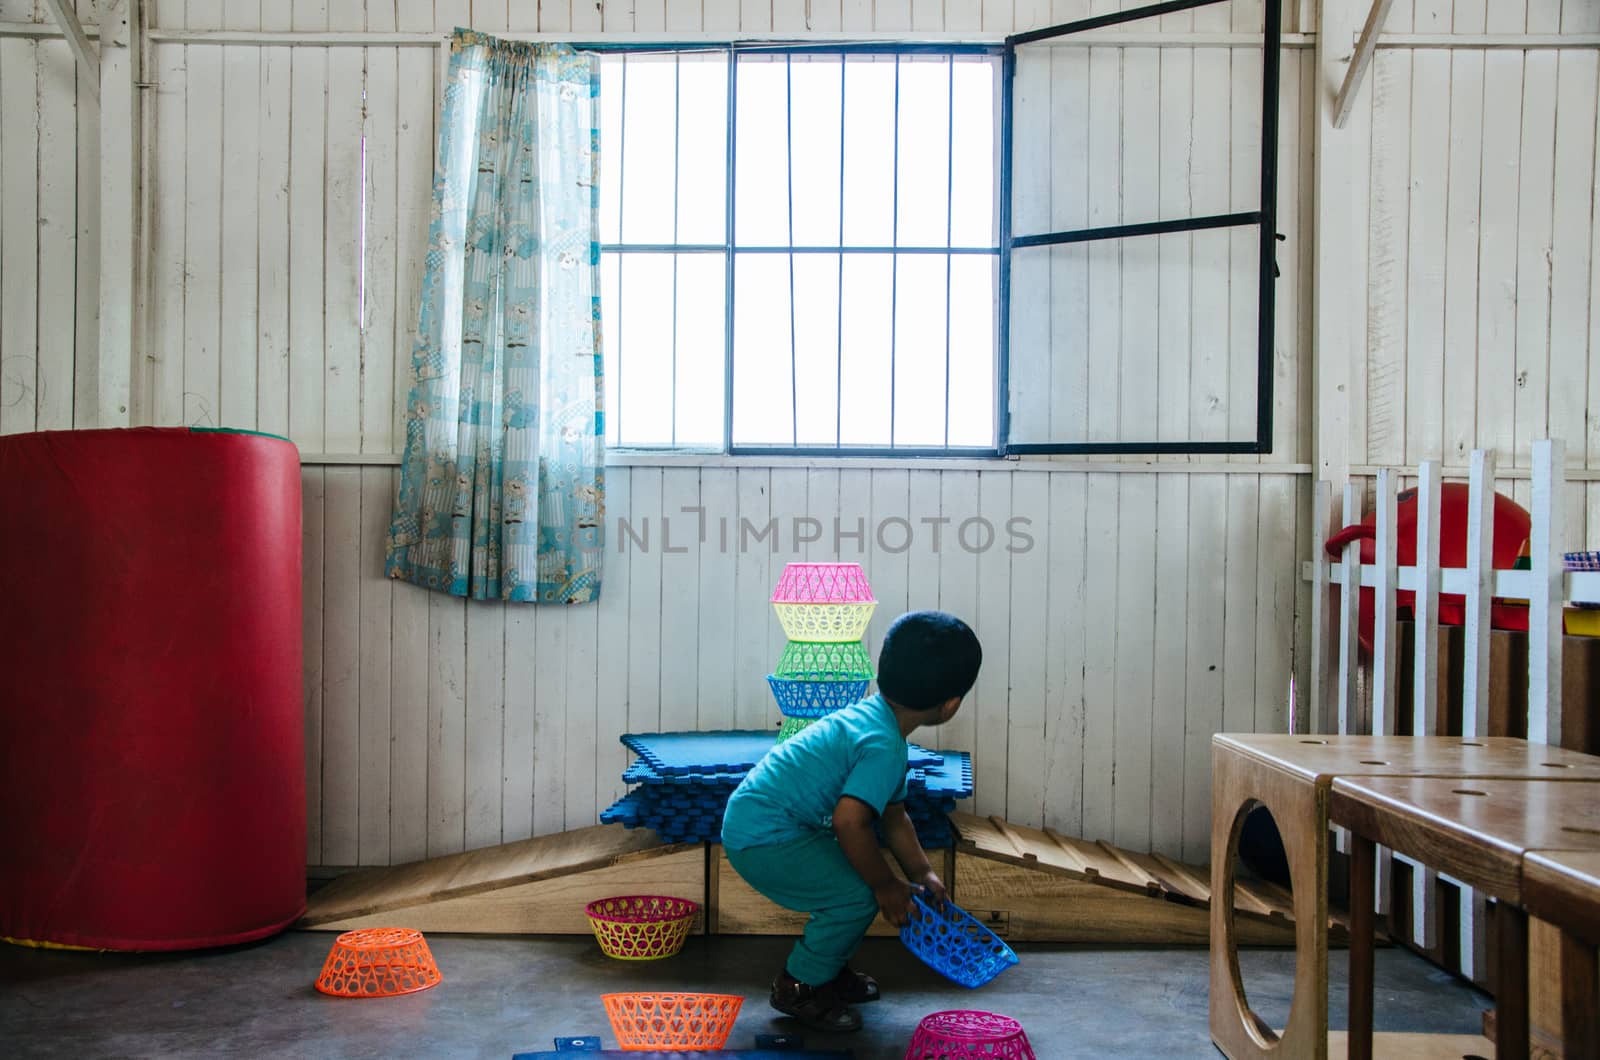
(1562, 887)
(1481, 832)
(1292, 776)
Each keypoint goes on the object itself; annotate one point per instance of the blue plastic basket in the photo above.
(814, 699)
(953, 943)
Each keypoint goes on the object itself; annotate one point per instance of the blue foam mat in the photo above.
(709, 754)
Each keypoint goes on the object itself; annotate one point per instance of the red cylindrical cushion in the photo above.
(152, 773)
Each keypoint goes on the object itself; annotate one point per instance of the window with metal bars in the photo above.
(800, 248)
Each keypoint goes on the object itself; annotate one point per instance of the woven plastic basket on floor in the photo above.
(671, 1021)
(791, 726)
(641, 927)
(960, 1034)
(814, 699)
(822, 583)
(805, 661)
(378, 962)
(830, 623)
(953, 943)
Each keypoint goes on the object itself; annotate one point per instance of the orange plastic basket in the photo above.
(378, 962)
(641, 927)
(671, 1021)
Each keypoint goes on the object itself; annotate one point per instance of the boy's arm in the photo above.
(901, 835)
(852, 823)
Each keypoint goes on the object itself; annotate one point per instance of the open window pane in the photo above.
(644, 349)
(972, 360)
(866, 403)
(816, 287)
(763, 369)
(611, 147)
(972, 156)
(919, 348)
(701, 351)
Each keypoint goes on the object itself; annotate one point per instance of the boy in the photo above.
(799, 828)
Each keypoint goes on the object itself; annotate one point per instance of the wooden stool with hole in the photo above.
(1291, 776)
(1480, 832)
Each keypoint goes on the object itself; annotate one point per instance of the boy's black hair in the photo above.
(927, 658)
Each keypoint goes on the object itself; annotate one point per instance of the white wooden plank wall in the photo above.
(1153, 608)
(436, 725)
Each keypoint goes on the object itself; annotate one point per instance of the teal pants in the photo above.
(812, 875)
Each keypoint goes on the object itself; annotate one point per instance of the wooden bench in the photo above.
(1479, 831)
(1292, 776)
(1562, 887)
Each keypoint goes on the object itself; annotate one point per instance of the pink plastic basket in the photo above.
(823, 583)
(964, 1033)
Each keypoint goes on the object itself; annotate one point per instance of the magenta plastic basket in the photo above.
(964, 1033)
(823, 583)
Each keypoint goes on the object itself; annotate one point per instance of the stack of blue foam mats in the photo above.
(682, 781)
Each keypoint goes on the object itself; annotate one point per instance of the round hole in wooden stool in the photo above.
(1469, 791)
(1372, 762)
(1555, 765)
(1259, 879)
(1470, 743)
(1313, 741)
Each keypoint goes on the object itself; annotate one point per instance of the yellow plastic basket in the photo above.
(824, 623)
(641, 927)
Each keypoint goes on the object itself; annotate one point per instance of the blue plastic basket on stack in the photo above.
(682, 781)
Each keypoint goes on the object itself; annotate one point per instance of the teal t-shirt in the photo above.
(791, 793)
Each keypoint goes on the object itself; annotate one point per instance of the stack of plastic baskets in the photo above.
(824, 609)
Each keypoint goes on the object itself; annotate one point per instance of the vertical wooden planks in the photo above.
(969, 538)
(1460, 329)
(447, 718)
(1175, 270)
(1244, 179)
(237, 372)
(484, 731)
(1570, 266)
(1069, 277)
(1134, 724)
(408, 721)
(312, 519)
(549, 764)
(343, 285)
(1239, 605)
(1208, 188)
(341, 668)
(681, 533)
(1316, 714)
(1350, 721)
(1532, 384)
(992, 623)
(1104, 257)
(1387, 257)
(19, 232)
(379, 243)
(612, 638)
(889, 533)
(162, 373)
(716, 678)
(1140, 159)
(1277, 575)
(1497, 253)
(202, 243)
(1029, 649)
(1064, 536)
(307, 125)
(1101, 592)
(272, 241)
(754, 577)
(52, 401)
(644, 601)
(1425, 672)
(375, 645)
(1480, 591)
(86, 340)
(1033, 371)
(1425, 275)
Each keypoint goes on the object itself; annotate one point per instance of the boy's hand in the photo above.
(934, 888)
(894, 901)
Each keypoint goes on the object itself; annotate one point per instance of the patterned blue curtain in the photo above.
(502, 492)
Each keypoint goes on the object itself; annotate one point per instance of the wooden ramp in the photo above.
(532, 887)
(1033, 885)
(1028, 885)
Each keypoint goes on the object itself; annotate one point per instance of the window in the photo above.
(1138, 269)
(800, 249)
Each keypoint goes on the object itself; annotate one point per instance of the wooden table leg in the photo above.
(1363, 855)
(1580, 1025)
(1511, 983)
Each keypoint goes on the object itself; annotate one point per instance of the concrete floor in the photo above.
(505, 995)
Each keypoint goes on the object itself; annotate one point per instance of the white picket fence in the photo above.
(1337, 665)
